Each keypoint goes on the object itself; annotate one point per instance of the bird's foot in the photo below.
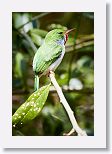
(51, 72)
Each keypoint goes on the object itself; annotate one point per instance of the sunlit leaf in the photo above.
(36, 39)
(53, 26)
(31, 108)
(37, 35)
(39, 32)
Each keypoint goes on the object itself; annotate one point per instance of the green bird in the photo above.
(50, 54)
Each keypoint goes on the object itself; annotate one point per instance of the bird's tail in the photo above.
(36, 83)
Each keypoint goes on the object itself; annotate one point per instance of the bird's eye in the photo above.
(60, 33)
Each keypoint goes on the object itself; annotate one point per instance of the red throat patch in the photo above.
(66, 38)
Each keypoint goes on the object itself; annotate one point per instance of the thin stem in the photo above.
(75, 125)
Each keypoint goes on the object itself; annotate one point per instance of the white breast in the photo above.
(57, 62)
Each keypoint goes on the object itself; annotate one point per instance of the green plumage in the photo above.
(50, 51)
(45, 56)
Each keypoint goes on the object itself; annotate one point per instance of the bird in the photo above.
(50, 54)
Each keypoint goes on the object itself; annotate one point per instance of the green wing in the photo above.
(45, 56)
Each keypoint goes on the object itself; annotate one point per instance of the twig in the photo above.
(84, 44)
(26, 36)
(34, 18)
(70, 133)
(71, 48)
(22, 33)
(75, 125)
(85, 38)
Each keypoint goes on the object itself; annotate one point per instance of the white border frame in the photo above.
(99, 138)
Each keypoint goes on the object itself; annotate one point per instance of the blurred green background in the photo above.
(75, 74)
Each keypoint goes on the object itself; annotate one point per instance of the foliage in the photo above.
(31, 108)
(75, 74)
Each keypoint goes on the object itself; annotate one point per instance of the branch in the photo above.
(34, 18)
(70, 133)
(81, 42)
(86, 91)
(85, 38)
(75, 125)
(77, 47)
(22, 33)
(26, 36)
(69, 90)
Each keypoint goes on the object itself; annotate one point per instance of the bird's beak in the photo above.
(68, 31)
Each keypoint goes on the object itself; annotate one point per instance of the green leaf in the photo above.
(18, 64)
(37, 36)
(39, 32)
(31, 108)
(36, 39)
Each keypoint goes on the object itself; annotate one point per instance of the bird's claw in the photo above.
(51, 72)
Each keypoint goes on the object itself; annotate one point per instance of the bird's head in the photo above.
(58, 36)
